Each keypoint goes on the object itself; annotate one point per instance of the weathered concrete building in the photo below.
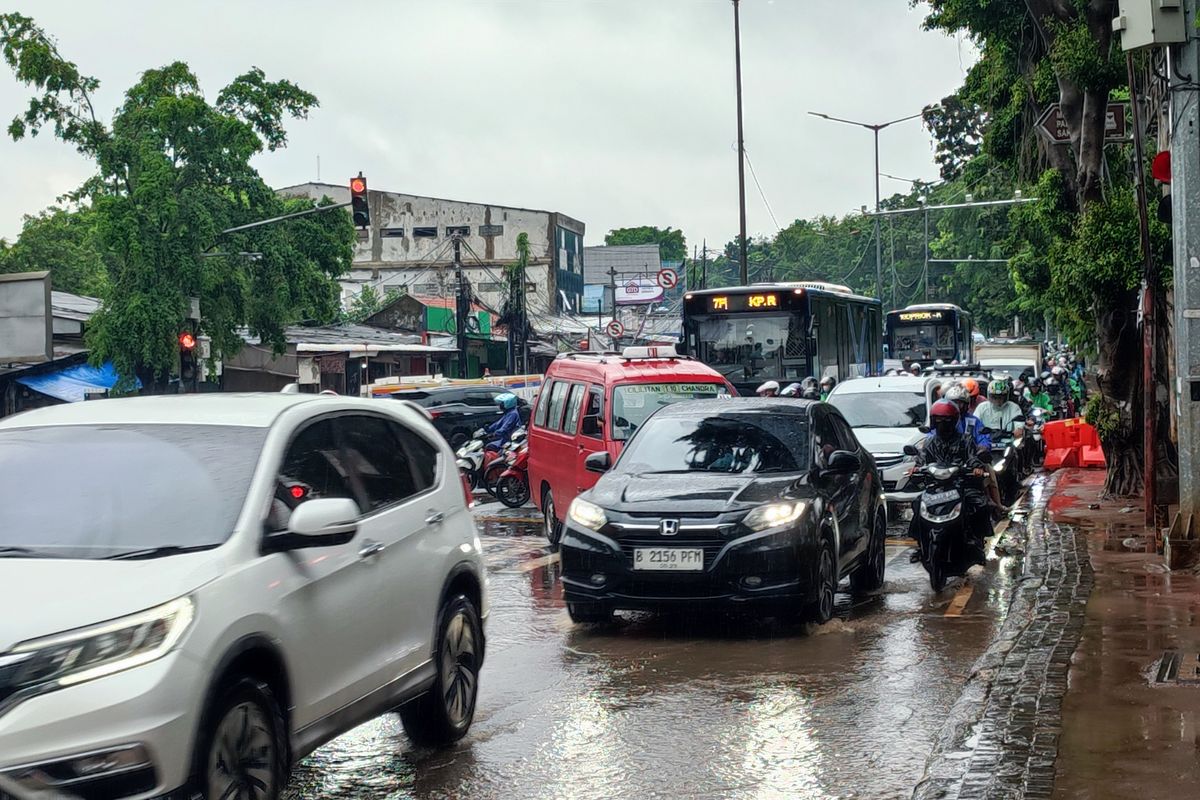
(409, 244)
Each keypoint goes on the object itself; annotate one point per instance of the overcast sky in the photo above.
(615, 112)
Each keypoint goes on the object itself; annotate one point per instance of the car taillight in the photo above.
(467, 495)
(435, 414)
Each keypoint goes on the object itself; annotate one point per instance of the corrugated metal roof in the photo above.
(73, 306)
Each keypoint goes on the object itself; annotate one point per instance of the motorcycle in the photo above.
(1008, 462)
(495, 461)
(1034, 422)
(950, 537)
(470, 458)
(512, 488)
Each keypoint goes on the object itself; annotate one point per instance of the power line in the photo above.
(761, 193)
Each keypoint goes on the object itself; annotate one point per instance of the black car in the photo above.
(458, 411)
(737, 501)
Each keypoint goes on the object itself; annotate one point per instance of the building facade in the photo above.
(410, 245)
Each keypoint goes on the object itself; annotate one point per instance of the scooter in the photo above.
(471, 457)
(495, 461)
(950, 538)
(1034, 423)
(1008, 455)
(512, 488)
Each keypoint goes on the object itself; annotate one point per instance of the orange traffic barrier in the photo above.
(1072, 443)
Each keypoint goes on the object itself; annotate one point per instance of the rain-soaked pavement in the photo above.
(674, 707)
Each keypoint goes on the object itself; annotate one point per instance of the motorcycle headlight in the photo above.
(942, 473)
(999, 466)
(65, 659)
(588, 515)
(772, 516)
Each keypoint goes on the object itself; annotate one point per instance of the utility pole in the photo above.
(704, 264)
(926, 273)
(1149, 280)
(741, 142)
(1185, 215)
(462, 308)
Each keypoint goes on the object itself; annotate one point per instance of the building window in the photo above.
(490, 230)
(392, 233)
(424, 233)
(428, 289)
(458, 230)
(491, 286)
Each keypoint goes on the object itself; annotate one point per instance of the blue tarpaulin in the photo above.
(72, 383)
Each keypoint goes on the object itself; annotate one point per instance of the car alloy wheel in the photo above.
(245, 756)
(512, 491)
(821, 609)
(459, 665)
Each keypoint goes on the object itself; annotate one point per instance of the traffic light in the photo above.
(359, 209)
(187, 358)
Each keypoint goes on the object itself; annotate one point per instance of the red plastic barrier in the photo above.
(1092, 457)
(1059, 457)
(1058, 435)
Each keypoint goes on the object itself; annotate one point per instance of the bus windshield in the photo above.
(924, 343)
(743, 348)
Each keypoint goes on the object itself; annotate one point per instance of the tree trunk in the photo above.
(1120, 382)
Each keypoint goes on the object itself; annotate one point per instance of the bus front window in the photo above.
(743, 348)
(924, 343)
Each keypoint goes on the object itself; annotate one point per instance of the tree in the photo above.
(369, 302)
(671, 244)
(173, 171)
(1073, 260)
(64, 242)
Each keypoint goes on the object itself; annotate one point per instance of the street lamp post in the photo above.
(741, 143)
(874, 128)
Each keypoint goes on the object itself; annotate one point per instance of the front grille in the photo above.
(888, 460)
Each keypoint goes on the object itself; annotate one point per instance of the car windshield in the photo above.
(881, 409)
(725, 442)
(634, 402)
(100, 491)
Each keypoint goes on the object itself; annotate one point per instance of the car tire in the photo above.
(242, 724)
(442, 715)
(550, 524)
(589, 613)
(825, 579)
(869, 575)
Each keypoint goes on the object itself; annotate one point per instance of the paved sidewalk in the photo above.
(1124, 734)
(1001, 736)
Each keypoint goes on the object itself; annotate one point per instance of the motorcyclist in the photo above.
(809, 389)
(1035, 393)
(948, 445)
(971, 424)
(827, 384)
(791, 390)
(768, 389)
(1001, 414)
(972, 387)
(914, 368)
(501, 431)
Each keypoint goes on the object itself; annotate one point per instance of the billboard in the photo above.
(26, 318)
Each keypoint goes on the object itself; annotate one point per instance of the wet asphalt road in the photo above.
(679, 707)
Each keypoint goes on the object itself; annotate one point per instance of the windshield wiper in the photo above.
(159, 552)
(16, 552)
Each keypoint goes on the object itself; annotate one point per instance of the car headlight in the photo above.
(85, 654)
(588, 515)
(772, 516)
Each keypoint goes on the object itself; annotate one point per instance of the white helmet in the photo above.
(956, 394)
(791, 390)
(770, 387)
(914, 368)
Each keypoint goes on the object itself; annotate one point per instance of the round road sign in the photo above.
(615, 329)
(668, 278)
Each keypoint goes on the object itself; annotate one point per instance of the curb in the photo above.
(1000, 738)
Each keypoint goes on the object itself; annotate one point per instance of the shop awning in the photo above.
(71, 384)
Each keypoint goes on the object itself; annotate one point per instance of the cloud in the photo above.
(616, 112)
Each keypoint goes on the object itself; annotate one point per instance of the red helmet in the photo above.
(944, 408)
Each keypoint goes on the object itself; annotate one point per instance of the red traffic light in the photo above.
(358, 185)
(187, 340)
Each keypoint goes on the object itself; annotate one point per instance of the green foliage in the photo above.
(67, 244)
(671, 244)
(173, 171)
(1103, 416)
(1074, 56)
(370, 302)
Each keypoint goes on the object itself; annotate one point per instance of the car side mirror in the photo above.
(321, 522)
(910, 450)
(598, 462)
(843, 461)
(591, 426)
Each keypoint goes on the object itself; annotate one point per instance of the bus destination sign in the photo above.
(764, 301)
(923, 316)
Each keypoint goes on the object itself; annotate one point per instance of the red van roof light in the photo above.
(668, 351)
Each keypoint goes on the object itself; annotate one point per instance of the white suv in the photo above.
(199, 591)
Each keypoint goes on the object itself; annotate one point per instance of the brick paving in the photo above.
(1000, 739)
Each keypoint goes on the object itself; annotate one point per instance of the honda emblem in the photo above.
(668, 527)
